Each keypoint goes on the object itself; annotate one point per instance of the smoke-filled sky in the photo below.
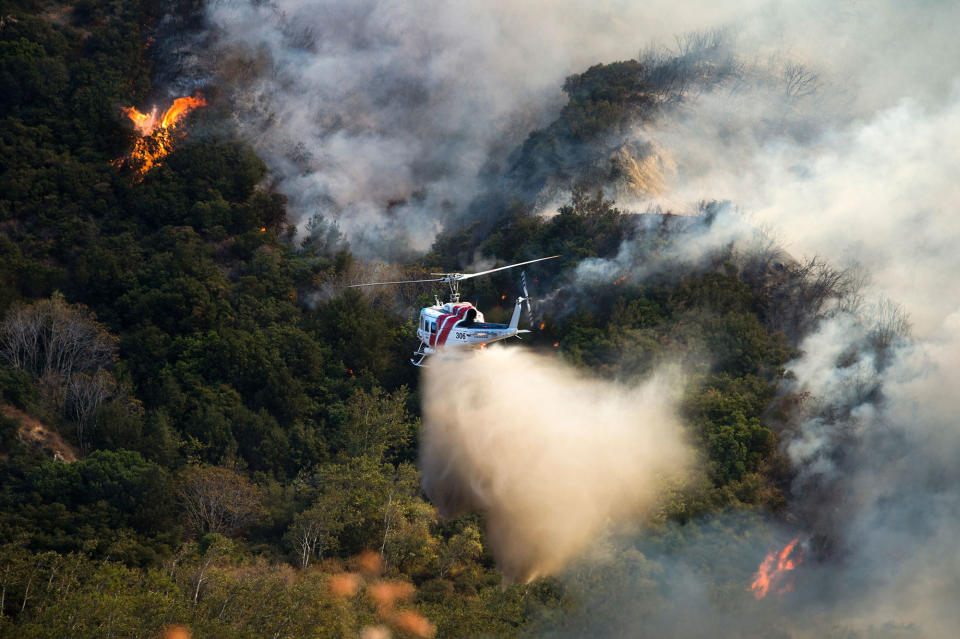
(385, 115)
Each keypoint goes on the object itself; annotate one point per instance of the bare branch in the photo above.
(218, 500)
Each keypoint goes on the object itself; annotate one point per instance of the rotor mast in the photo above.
(454, 281)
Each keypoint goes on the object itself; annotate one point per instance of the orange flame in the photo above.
(773, 569)
(156, 132)
(179, 108)
(619, 280)
(142, 122)
(542, 325)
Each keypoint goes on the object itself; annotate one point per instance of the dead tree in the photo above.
(53, 338)
(85, 393)
(217, 500)
(67, 351)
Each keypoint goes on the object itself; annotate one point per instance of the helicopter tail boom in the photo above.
(515, 318)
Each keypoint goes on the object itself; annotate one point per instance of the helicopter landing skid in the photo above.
(422, 354)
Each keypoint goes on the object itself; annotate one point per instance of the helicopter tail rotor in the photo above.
(526, 297)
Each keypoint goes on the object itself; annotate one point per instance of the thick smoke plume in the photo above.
(548, 457)
(862, 171)
(875, 499)
(389, 117)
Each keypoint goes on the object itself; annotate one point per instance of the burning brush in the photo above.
(157, 132)
(773, 571)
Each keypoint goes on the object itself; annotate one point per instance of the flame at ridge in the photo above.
(179, 108)
(775, 565)
(156, 132)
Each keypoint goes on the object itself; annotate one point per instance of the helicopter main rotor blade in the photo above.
(454, 277)
(402, 282)
(467, 276)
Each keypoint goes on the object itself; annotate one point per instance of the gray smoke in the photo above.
(868, 179)
(386, 116)
(875, 502)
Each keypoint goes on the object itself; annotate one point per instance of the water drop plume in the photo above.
(549, 457)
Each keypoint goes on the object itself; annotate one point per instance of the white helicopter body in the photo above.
(460, 325)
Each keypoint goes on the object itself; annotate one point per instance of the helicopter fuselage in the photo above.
(460, 325)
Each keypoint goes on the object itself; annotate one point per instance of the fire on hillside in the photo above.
(774, 568)
(157, 132)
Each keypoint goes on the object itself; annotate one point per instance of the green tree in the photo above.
(376, 422)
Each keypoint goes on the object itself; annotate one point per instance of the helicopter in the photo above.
(460, 325)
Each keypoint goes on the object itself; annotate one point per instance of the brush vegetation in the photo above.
(241, 440)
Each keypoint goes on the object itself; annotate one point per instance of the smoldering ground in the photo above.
(549, 457)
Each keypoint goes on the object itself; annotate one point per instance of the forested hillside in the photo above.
(202, 427)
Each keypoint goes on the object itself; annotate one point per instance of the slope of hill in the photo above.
(248, 430)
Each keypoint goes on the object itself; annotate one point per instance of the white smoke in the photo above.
(881, 192)
(383, 116)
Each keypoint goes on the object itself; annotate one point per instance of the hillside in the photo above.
(202, 428)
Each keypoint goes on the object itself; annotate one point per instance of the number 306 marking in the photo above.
(461, 336)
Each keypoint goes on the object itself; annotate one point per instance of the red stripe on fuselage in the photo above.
(446, 323)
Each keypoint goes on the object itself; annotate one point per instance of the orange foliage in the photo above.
(414, 623)
(369, 562)
(387, 593)
(176, 632)
(375, 632)
(344, 584)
